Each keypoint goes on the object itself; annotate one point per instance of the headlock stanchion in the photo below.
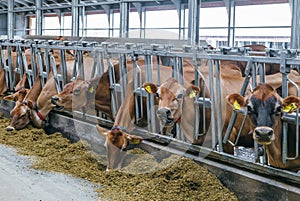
(118, 58)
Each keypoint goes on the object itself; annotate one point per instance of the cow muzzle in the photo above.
(164, 116)
(54, 101)
(263, 135)
(10, 128)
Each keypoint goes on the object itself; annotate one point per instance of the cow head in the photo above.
(20, 114)
(116, 144)
(171, 95)
(264, 107)
(76, 95)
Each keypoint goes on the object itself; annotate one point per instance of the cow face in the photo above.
(170, 95)
(116, 143)
(20, 116)
(75, 95)
(264, 107)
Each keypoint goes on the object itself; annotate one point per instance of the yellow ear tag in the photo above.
(135, 141)
(236, 105)
(192, 94)
(148, 89)
(91, 90)
(290, 108)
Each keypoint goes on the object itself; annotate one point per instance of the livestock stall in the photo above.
(156, 56)
(145, 60)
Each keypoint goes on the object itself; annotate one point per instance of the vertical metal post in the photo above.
(193, 23)
(10, 19)
(230, 6)
(124, 19)
(295, 30)
(75, 18)
(39, 16)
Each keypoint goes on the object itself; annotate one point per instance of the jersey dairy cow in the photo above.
(116, 143)
(20, 114)
(176, 105)
(264, 106)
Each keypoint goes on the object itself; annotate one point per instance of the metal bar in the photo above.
(193, 22)
(39, 18)
(75, 18)
(10, 19)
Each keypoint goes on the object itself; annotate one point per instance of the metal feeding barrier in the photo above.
(108, 55)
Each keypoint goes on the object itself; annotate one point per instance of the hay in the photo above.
(174, 178)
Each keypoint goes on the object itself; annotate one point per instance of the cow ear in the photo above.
(290, 104)
(101, 130)
(11, 97)
(236, 101)
(133, 138)
(192, 91)
(150, 87)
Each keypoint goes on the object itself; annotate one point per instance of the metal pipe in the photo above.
(124, 19)
(193, 23)
(75, 18)
(39, 17)
(10, 19)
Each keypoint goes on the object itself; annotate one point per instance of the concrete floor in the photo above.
(19, 182)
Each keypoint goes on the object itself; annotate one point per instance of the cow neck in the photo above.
(39, 114)
(178, 120)
(89, 96)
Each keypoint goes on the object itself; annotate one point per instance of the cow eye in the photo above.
(277, 110)
(249, 109)
(179, 96)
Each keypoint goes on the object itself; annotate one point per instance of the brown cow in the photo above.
(40, 106)
(20, 114)
(264, 107)
(80, 94)
(116, 143)
(176, 105)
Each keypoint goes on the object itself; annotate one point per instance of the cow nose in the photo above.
(10, 128)
(54, 98)
(163, 112)
(263, 133)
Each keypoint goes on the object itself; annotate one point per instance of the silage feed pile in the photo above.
(174, 178)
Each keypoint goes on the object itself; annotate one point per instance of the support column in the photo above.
(295, 29)
(124, 19)
(75, 18)
(10, 19)
(39, 18)
(230, 6)
(194, 19)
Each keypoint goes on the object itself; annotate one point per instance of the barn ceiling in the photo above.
(65, 5)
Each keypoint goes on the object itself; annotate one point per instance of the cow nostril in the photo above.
(257, 134)
(10, 128)
(54, 98)
(270, 133)
(164, 112)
